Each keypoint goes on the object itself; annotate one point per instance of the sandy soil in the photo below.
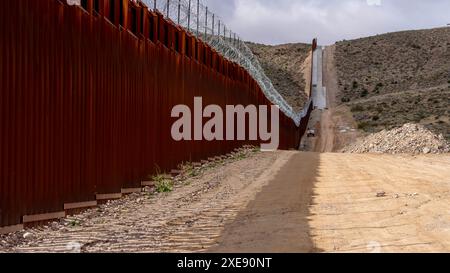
(347, 215)
(329, 203)
(276, 220)
(273, 202)
(190, 218)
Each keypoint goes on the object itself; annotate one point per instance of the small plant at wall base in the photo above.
(162, 183)
(189, 170)
(74, 223)
(164, 186)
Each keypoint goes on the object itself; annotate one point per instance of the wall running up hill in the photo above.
(86, 97)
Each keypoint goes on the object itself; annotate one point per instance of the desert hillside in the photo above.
(397, 78)
(285, 66)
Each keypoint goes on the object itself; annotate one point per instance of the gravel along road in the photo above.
(284, 201)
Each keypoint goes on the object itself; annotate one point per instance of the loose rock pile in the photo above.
(409, 139)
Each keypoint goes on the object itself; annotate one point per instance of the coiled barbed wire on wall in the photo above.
(195, 17)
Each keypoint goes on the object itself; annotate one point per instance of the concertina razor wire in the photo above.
(195, 17)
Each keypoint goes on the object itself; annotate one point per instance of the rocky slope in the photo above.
(285, 65)
(392, 79)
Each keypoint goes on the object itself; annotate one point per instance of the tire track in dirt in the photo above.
(190, 219)
(275, 202)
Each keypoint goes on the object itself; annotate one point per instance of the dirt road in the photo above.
(335, 127)
(189, 219)
(325, 142)
(411, 214)
(329, 203)
(273, 202)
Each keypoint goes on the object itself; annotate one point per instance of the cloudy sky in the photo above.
(283, 21)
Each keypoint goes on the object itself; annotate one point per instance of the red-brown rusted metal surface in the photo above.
(86, 98)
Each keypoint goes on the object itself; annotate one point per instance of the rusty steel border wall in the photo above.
(85, 102)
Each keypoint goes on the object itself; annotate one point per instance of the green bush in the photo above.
(162, 183)
(164, 186)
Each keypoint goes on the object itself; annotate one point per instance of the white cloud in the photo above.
(282, 21)
(374, 2)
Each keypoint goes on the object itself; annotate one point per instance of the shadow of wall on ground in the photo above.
(276, 221)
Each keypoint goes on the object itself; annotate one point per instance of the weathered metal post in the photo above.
(198, 17)
(212, 25)
(179, 7)
(218, 30)
(168, 8)
(206, 24)
(189, 16)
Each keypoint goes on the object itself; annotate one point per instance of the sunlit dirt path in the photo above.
(273, 202)
(348, 203)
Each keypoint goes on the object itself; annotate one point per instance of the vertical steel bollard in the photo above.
(179, 7)
(212, 25)
(168, 9)
(189, 16)
(198, 17)
(206, 24)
